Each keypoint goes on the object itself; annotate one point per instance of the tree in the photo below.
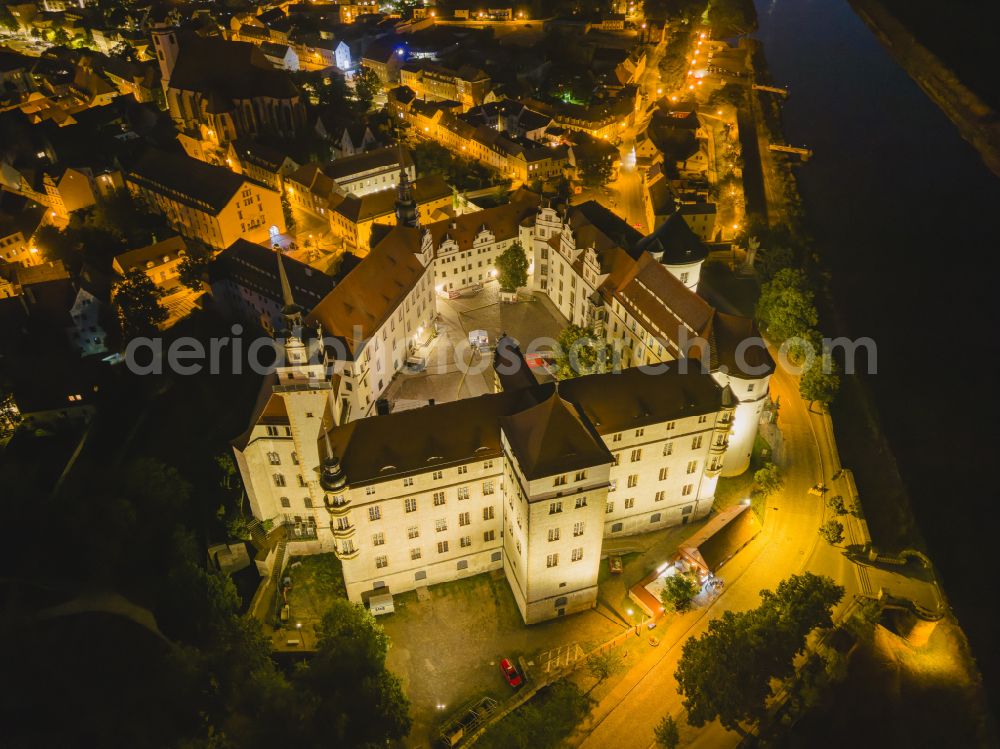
(832, 532)
(728, 17)
(726, 673)
(786, 308)
(348, 697)
(678, 592)
(580, 351)
(512, 268)
(603, 664)
(767, 480)
(820, 381)
(287, 213)
(366, 87)
(666, 733)
(137, 300)
(836, 503)
(193, 268)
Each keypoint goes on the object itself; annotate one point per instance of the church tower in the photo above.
(165, 43)
(291, 323)
(406, 205)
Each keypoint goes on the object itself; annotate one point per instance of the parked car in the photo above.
(510, 673)
(615, 564)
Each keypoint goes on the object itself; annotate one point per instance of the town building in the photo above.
(219, 91)
(208, 203)
(160, 261)
(245, 284)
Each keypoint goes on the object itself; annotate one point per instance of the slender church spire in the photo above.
(291, 313)
(406, 206)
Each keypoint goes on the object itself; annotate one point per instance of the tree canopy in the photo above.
(366, 87)
(832, 532)
(512, 267)
(726, 673)
(137, 300)
(581, 351)
(678, 592)
(820, 382)
(767, 480)
(786, 307)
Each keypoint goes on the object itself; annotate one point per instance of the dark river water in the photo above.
(907, 217)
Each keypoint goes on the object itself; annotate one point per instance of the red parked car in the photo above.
(510, 673)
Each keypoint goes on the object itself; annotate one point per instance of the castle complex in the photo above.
(529, 479)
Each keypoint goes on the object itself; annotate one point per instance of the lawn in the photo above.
(317, 580)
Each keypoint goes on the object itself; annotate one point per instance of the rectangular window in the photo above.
(442, 547)
(664, 472)
(610, 508)
(616, 438)
(577, 554)
(463, 492)
(369, 491)
(438, 499)
(381, 561)
(489, 536)
(578, 529)
(463, 470)
(670, 425)
(272, 431)
(286, 502)
(378, 539)
(410, 504)
(668, 448)
(696, 442)
(279, 479)
(580, 476)
(660, 496)
(465, 542)
(636, 455)
(552, 560)
(463, 519)
(581, 502)
(630, 503)
(413, 532)
(633, 480)
(553, 534)
(686, 491)
(560, 481)
(487, 488)
(692, 466)
(437, 475)
(616, 459)
(414, 554)
(639, 432)
(374, 513)
(440, 525)
(555, 507)
(702, 419)
(408, 481)
(488, 513)
(488, 465)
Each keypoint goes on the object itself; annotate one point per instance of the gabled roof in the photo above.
(158, 253)
(255, 267)
(233, 70)
(370, 293)
(552, 438)
(187, 180)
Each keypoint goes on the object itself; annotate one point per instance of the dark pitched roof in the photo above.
(256, 268)
(233, 70)
(553, 437)
(363, 162)
(722, 536)
(187, 180)
(675, 240)
(465, 430)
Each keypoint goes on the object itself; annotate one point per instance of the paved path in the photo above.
(789, 544)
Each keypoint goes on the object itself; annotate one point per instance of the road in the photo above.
(789, 544)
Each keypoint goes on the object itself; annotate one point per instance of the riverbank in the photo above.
(977, 121)
(863, 444)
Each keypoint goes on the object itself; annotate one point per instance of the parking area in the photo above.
(453, 369)
(447, 642)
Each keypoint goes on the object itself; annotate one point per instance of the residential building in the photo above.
(209, 203)
(160, 261)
